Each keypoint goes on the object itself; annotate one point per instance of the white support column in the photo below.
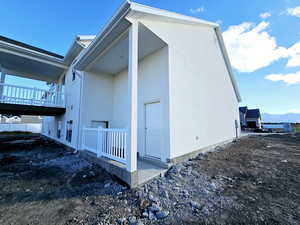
(131, 150)
(2, 81)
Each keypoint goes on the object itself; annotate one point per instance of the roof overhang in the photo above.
(113, 29)
(119, 24)
(228, 64)
(28, 61)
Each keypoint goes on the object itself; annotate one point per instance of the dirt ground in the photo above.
(255, 180)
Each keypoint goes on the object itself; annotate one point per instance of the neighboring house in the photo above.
(13, 123)
(20, 119)
(253, 118)
(10, 119)
(150, 86)
(250, 118)
(243, 113)
(31, 119)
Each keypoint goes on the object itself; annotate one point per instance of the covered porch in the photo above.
(109, 146)
(126, 67)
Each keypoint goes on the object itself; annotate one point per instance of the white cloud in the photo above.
(293, 111)
(294, 55)
(290, 78)
(251, 47)
(197, 10)
(265, 15)
(294, 61)
(294, 11)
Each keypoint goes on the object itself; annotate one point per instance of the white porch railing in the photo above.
(110, 143)
(14, 94)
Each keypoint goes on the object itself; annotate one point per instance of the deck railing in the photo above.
(14, 94)
(110, 143)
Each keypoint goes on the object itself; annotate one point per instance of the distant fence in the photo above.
(24, 127)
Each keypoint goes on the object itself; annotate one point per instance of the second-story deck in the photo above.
(16, 99)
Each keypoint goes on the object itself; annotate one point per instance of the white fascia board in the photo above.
(86, 37)
(171, 15)
(75, 48)
(29, 54)
(118, 16)
(227, 62)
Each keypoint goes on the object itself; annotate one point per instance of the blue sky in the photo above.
(261, 38)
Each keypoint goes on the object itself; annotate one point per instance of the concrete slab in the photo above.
(147, 171)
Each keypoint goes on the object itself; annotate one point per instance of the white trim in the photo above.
(103, 33)
(168, 14)
(86, 37)
(131, 153)
(228, 64)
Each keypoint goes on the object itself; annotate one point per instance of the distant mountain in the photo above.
(277, 118)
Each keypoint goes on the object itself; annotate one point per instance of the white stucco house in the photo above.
(152, 85)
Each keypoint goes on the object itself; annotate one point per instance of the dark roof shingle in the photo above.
(243, 109)
(253, 113)
(33, 48)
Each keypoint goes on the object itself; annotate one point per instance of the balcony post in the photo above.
(131, 148)
(2, 81)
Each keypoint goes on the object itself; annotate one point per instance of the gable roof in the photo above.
(25, 60)
(168, 15)
(253, 113)
(118, 24)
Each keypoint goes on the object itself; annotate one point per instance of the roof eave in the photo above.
(171, 15)
(119, 15)
(227, 62)
(75, 49)
(27, 53)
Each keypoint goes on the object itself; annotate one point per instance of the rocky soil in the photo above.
(255, 180)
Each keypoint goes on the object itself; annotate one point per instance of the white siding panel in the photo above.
(152, 86)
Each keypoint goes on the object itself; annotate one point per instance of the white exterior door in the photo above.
(153, 129)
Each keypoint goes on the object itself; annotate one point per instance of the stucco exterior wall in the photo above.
(189, 78)
(203, 104)
(97, 98)
(72, 102)
(152, 86)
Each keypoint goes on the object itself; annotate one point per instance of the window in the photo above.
(69, 131)
(59, 130)
(73, 74)
(97, 124)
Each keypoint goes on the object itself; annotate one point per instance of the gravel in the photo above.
(245, 182)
